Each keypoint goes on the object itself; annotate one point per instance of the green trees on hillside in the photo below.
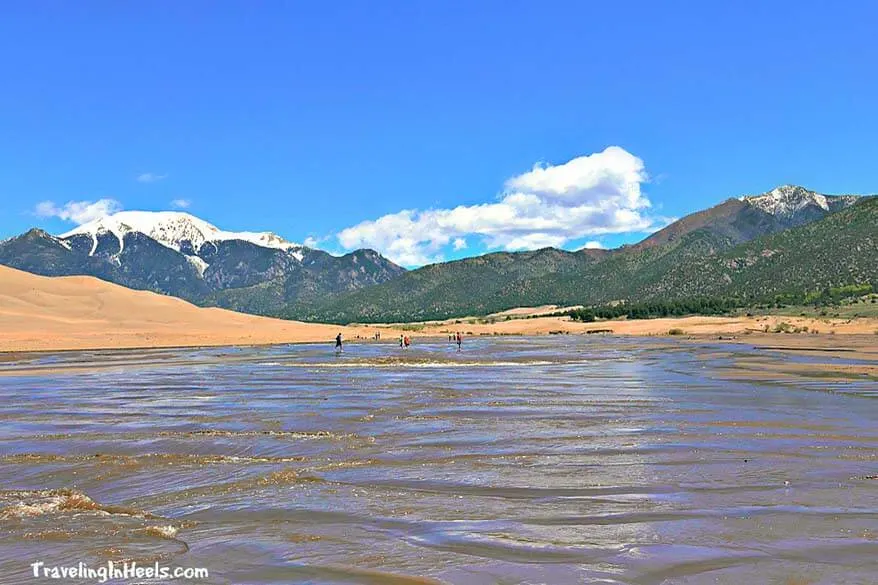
(653, 309)
(716, 306)
(834, 294)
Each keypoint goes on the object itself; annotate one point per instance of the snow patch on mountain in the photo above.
(199, 264)
(172, 228)
(62, 242)
(94, 244)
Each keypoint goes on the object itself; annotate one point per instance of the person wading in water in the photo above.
(459, 340)
(338, 346)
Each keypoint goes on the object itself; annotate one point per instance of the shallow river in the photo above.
(560, 459)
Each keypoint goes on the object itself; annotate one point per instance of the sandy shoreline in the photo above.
(39, 314)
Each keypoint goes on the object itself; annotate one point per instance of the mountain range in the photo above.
(789, 240)
(181, 255)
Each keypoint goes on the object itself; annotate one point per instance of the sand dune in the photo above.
(81, 312)
(542, 310)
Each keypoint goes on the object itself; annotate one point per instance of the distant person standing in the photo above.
(338, 345)
(401, 339)
(407, 341)
(459, 340)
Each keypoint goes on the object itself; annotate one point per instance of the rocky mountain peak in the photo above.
(789, 201)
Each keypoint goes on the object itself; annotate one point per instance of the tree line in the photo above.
(652, 309)
(716, 305)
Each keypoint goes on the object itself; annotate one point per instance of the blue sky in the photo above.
(327, 120)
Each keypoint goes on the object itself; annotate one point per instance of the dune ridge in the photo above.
(82, 312)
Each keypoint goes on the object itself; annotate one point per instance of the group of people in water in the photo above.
(456, 338)
(404, 341)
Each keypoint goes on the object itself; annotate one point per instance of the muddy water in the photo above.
(545, 460)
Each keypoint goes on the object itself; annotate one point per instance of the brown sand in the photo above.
(729, 326)
(762, 369)
(80, 312)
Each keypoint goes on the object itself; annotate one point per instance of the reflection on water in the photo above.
(545, 460)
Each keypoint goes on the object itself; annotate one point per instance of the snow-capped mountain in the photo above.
(742, 219)
(174, 229)
(789, 201)
(182, 255)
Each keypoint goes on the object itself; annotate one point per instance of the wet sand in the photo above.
(838, 363)
(847, 357)
(554, 459)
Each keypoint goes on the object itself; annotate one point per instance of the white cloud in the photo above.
(181, 203)
(535, 241)
(459, 243)
(594, 245)
(549, 205)
(78, 212)
(311, 242)
(150, 177)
